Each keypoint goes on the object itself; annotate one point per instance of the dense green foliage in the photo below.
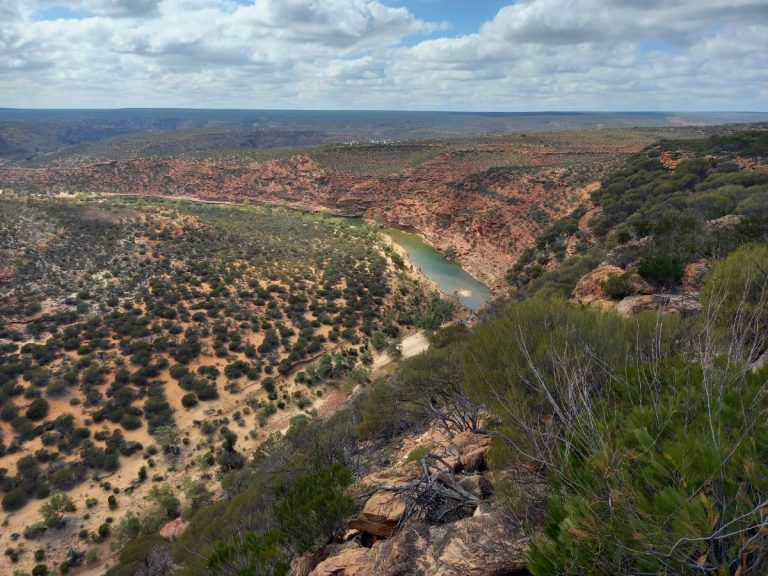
(308, 511)
(292, 498)
(656, 217)
(735, 291)
(646, 436)
(672, 482)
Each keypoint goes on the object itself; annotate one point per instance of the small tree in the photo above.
(229, 458)
(169, 438)
(163, 495)
(127, 529)
(38, 409)
(54, 509)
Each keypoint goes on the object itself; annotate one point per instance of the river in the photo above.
(447, 275)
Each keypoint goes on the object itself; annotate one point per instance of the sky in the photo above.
(472, 55)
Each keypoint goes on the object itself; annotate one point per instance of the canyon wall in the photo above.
(459, 201)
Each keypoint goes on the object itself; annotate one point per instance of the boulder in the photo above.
(350, 562)
(483, 545)
(468, 441)
(693, 275)
(173, 529)
(667, 303)
(468, 450)
(632, 305)
(381, 514)
(590, 286)
(727, 221)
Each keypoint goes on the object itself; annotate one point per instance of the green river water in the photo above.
(448, 276)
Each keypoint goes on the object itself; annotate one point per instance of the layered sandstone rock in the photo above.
(589, 288)
(381, 514)
(352, 562)
(482, 545)
(173, 529)
(479, 201)
(666, 303)
(694, 274)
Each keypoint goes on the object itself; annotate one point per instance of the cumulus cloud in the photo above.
(589, 21)
(111, 8)
(534, 54)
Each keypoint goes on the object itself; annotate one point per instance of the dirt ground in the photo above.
(56, 543)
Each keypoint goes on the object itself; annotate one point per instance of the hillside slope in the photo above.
(482, 200)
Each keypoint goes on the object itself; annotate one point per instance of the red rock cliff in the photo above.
(458, 199)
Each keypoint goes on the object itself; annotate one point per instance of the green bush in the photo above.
(38, 409)
(381, 416)
(14, 499)
(662, 269)
(189, 400)
(522, 365)
(699, 497)
(128, 528)
(35, 530)
(309, 511)
(618, 286)
(54, 509)
(135, 556)
(735, 293)
(163, 495)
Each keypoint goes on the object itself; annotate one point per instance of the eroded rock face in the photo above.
(685, 300)
(666, 303)
(694, 274)
(352, 562)
(173, 529)
(589, 288)
(475, 201)
(483, 545)
(381, 514)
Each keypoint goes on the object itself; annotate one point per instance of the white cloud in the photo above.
(111, 8)
(535, 54)
(588, 21)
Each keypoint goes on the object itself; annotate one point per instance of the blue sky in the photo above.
(388, 54)
(464, 16)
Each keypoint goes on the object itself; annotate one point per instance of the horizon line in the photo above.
(402, 111)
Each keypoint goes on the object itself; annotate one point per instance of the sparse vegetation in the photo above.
(167, 307)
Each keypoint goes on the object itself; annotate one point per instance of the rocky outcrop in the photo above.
(693, 275)
(486, 202)
(645, 297)
(589, 288)
(397, 533)
(727, 221)
(351, 562)
(173, 529)
(381, 514)
(482, 545)
(666, 303)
